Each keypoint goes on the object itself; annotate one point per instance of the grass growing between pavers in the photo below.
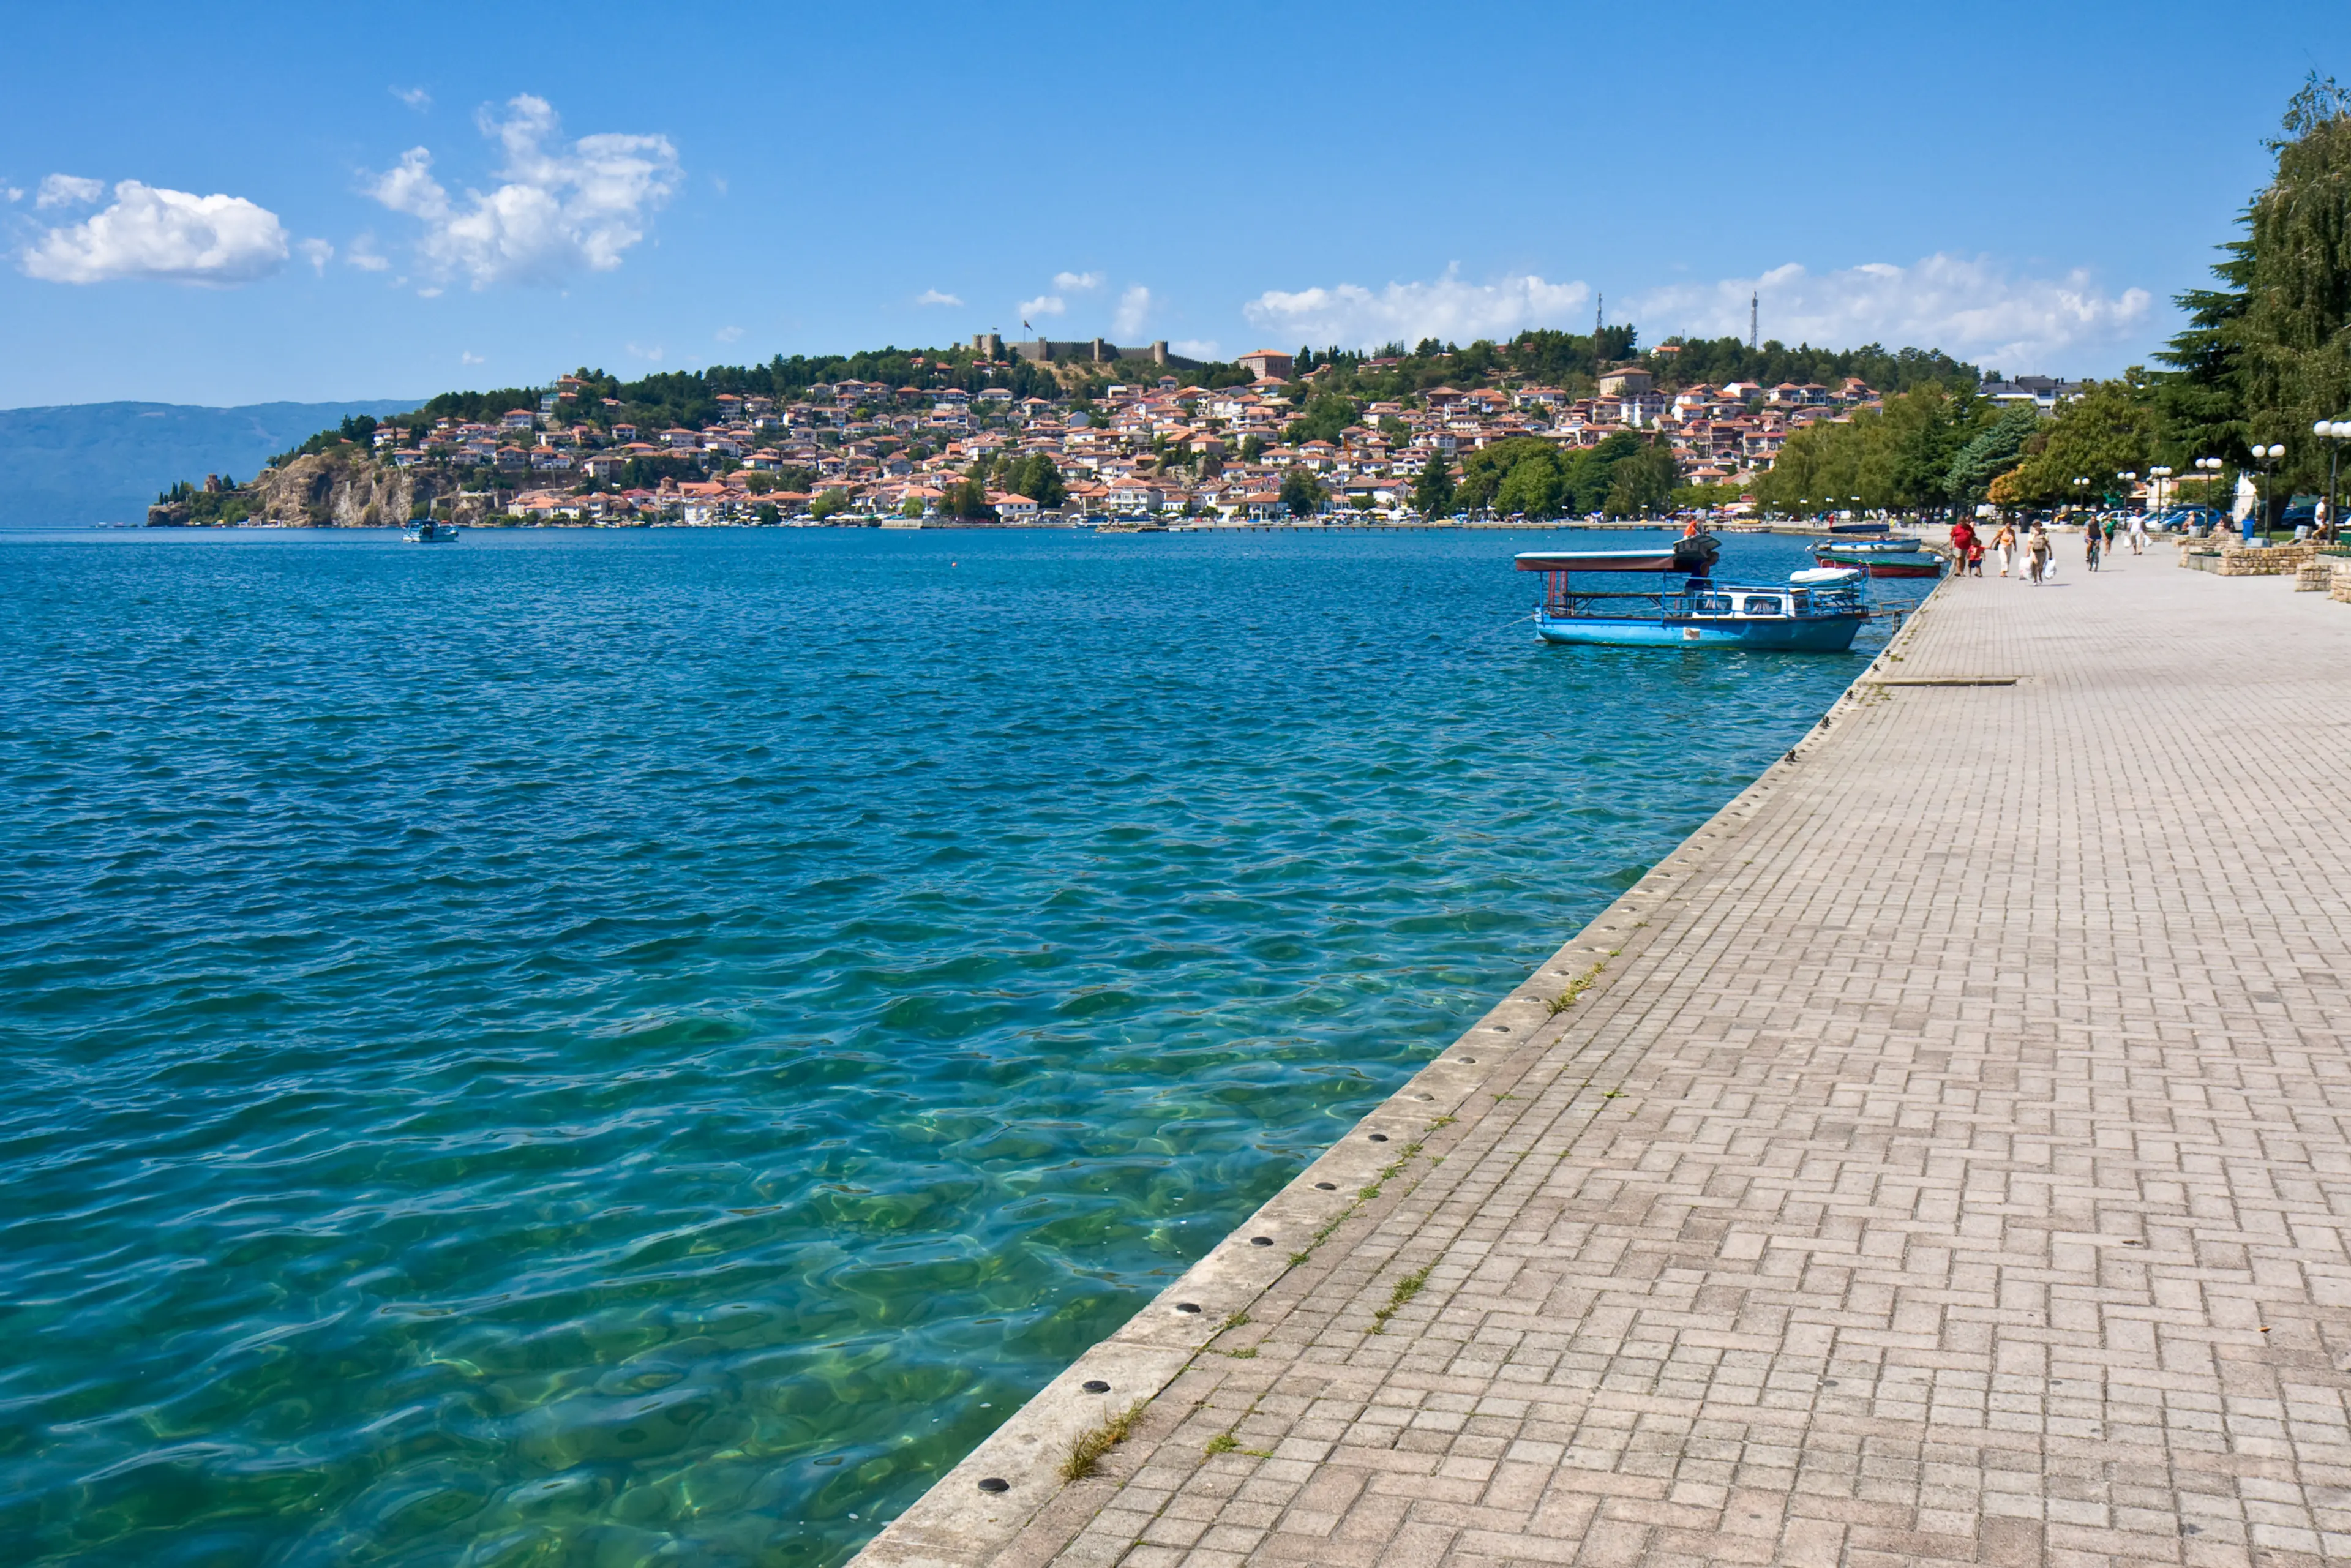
(1577, 986)
(1086, 1451)
(1406, 1289)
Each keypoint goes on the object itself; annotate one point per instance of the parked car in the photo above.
(2191, 519)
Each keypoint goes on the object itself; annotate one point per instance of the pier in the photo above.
(1943, 1157)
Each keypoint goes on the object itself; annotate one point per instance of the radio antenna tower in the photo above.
(1751, 300)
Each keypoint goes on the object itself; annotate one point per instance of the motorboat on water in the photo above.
(1895, 544)
(1817, 610)
(1909, 559)
(427, 532)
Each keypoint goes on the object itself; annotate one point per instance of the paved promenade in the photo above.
(1947, 1161)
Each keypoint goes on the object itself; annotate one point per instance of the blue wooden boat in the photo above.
(1814, 611)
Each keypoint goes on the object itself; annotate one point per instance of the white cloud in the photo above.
(416, 97)
(727, 334)
(317, 253)
(563, 206)
(1133, 306)
(13, 192)
(1975, 308)
(1043, 304)
(1077, 282)
(165, 235)
(1198, 349)
(69, 191)
(471, 358)
(362, 255)
(933, 297)
(1353, 316)
(653, 353)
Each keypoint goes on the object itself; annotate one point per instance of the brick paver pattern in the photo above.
(1950, 1167)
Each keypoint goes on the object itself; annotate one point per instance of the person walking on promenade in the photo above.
(2113, 523)
(2091, 541)
(2137, 532)
(1963, 540)
(2036, 553)
(2004, 541)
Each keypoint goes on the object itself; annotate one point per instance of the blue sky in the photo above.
(220, 211)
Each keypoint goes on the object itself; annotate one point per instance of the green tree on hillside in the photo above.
(2107, 432)
(1432, 490)
(1901, 456)
(1034, 475)
(1303, 492)
(1996, 448)
(1641, 484)
(1323, 420)
(1527, 475)
(1487, 470)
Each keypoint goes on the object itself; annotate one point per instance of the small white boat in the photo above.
(425, 531)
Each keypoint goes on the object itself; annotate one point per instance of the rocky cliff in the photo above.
(342, 487)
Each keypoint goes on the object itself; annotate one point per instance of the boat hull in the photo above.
(1817, 634)
(1878, 566)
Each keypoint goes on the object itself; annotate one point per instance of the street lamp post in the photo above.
(2333, 429)
(2081, 491)
(2211, 467)
(2160, 478)
(2265, 459)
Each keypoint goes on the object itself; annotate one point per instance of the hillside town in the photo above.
(1147, 448)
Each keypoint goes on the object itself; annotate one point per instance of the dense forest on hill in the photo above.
(1573, 361)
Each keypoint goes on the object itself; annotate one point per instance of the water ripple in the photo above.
(590, 1047)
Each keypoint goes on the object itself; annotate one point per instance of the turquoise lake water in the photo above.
(600, 1048)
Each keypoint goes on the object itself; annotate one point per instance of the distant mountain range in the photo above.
(104, 462)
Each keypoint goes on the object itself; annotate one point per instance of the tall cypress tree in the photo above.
(2202, 401)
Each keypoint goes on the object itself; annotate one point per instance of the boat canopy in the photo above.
(1695, 554)
(1816, 576)
(1597, 561)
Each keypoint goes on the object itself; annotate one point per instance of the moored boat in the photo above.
(1909, 562)
(1898, 544)
(1818, 611)
(425, 531)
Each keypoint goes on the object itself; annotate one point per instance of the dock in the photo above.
(1943, 1157)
